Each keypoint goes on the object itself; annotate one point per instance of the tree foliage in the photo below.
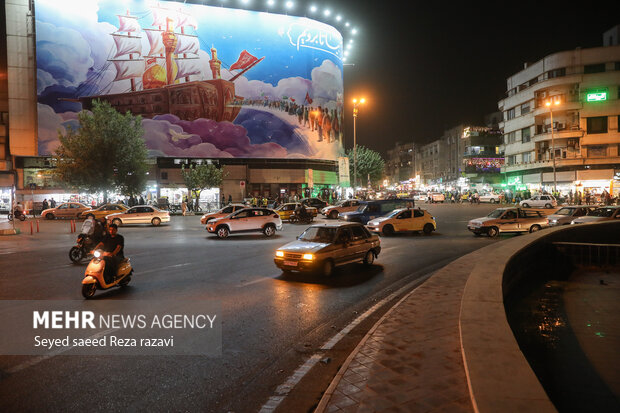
(200, 176)
(105, 154)
(368, 162)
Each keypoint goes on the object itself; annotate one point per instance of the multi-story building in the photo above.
(399, 165)
(464, 151)
(561, 121)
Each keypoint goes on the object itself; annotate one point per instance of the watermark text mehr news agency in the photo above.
(88, 320)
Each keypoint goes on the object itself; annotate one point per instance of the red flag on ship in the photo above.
(245, 60)
(308, 99)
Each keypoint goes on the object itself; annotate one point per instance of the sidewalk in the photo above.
(410, 361)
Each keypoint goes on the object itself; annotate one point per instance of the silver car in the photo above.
(323, 246)
(565, 215)
(607, 213)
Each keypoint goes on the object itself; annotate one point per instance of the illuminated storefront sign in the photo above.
(596, 96)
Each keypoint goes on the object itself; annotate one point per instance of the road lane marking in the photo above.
(285, 388)
(258, 280)
(167, 267)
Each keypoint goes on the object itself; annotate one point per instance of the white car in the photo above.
(539, 201)
(346, 205)
(139, 214)
(436, 197)
(492, 198)
(257, 219)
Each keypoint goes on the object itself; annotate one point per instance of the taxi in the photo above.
(403, 220)
(103, 210)
(286, 210)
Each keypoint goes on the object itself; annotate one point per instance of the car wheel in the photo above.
(428, 229)
(548, 206)
(328, 268)
(269, 230)
(493, 232)
(526, 205)
(117, 222)
(369, 258)
(222, 232)
(388, 230)
(49, 215)
(333, 215)
(534, 228)
(156, 222)
(493, 201)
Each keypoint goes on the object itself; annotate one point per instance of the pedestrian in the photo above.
(52, 203)
(184, 205)
(45, 205)
(327, 126)
(229, 199)
(141, 200)
(319, 123)
(223, 200)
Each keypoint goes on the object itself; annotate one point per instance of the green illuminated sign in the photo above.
(596, 96)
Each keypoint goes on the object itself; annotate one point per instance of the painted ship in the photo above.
(159, 81)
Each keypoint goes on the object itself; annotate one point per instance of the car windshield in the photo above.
(602, 212)
(318, 234)
(393, 213)
(362, 208)
(565, 211)
(496, 214)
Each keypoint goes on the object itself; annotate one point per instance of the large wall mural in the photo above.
(207, 81)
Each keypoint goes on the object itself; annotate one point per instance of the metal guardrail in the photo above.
(590, 254)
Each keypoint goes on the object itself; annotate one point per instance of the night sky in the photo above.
(441, 65)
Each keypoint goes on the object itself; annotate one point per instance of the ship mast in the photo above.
(170, 43)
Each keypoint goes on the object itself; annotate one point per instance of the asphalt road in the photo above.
(272, 323)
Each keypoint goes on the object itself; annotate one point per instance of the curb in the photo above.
(343, 369)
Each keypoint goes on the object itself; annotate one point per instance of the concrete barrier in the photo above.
(498, 375)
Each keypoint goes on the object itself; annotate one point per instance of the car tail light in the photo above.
(276, 215)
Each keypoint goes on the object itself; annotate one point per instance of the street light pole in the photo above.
(356, 103)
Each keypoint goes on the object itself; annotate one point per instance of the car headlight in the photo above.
(279, 253)
(308, 257)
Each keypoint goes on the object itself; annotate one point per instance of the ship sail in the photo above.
(187, 67)
(186, 20)
(128, 23)
(127, 44)
(155, 41)
(128, 69)
(187, 44)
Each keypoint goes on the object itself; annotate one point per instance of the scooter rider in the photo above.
(113, 245)
(300, 211)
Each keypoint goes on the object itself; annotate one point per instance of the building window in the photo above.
(597, 68)
(526, 134)
(164, 176)
(510, 114)
(597, 124)
(525, 108)
(556, 73)
(527, 157)
(597, 151)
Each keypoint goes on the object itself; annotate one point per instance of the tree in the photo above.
(200, 176)
(105, 154)
(369, 162)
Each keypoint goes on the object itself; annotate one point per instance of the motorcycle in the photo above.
(93, 277)
(301, 219)
(17, 214)
(81, 249)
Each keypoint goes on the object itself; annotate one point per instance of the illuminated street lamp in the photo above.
(356, 103)
(550, 104)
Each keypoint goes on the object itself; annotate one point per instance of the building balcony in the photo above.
(561, 163)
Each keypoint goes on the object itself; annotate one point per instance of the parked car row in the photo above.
(514, 219)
